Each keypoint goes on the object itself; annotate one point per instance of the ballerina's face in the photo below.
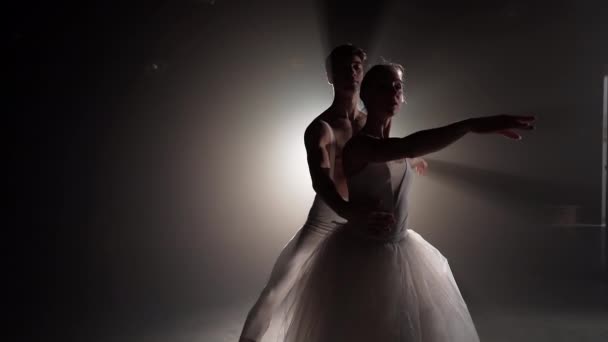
(386, 92)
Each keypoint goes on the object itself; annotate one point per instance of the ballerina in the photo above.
(324, 139)
(363, 284)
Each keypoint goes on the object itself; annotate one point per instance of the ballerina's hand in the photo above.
(420, 165)
(502, 124)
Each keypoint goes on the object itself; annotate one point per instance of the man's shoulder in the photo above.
(321, 122)
(317, 129)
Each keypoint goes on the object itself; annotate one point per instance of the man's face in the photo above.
(348, 74)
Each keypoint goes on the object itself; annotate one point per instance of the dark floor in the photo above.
(517, 325)
(531, 290)
(570, 310)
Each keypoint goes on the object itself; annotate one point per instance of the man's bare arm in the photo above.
(316, 139)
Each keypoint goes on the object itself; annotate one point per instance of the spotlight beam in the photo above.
(502, 185)
(341, 21)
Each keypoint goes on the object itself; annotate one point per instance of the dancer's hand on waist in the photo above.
(378, 220)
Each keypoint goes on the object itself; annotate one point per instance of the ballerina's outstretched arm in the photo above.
(362, 150)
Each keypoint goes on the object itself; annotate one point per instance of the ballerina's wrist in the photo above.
(465, 126)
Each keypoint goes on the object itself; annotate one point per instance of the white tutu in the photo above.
(359, 287)
(355, 289)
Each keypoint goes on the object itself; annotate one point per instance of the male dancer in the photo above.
(324, 139)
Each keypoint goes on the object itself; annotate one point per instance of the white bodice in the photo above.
(386, 184)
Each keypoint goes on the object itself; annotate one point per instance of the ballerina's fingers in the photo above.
(524, 121)
(518, 122)
(510, 134)
(525, 125)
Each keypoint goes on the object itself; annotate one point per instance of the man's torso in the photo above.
(342, 129)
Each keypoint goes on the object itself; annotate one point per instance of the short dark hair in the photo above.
(341, 53)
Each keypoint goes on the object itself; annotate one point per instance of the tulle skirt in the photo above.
(355, 288)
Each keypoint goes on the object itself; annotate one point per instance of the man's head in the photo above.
(344, 67)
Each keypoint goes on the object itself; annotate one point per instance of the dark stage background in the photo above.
(158, 162)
